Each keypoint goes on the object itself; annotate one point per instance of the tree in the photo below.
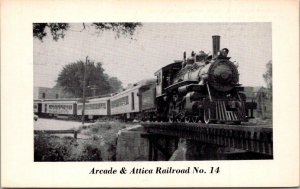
(57, 30)
(115, 84)
(268, 75)
(71, 79)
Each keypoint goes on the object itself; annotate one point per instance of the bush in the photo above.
(52, 148)
(47, 149)
(95, 129)
(90, 153)
(101, 144)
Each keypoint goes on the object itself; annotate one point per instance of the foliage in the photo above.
(46, 149)
(57, 30)
(101, 146)
(62, 93)
(53, 148)
(125, 29)
(71, 79)
(268, 75)
(115, 84)
(91, 152)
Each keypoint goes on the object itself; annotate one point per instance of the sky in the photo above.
(154, 46)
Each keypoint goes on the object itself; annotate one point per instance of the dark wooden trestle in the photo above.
(257, 139)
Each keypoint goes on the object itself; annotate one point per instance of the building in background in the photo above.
(49, 93)
(263, 97)
(45, 93)
(264, 103)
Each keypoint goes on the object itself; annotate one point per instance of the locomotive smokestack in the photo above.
(216, 45)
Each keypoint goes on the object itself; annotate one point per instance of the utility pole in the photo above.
(84, 75)
(94, 88)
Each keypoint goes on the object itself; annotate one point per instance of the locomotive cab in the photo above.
(165, 77)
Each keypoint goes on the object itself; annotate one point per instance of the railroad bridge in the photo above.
(196, 141)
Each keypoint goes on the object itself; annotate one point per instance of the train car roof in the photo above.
(90, 99)
(137, 85)
(99, 96)
(127, 90)
(147, 81)
(177, 63)
(58, 100)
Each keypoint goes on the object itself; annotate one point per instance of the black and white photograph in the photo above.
(152, 91)
(146, 94)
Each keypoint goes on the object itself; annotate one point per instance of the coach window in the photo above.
(44, 95)
(56, 96)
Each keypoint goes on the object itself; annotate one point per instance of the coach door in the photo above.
(108, 107)
(39, 108)
(74, 109)
(132, 101)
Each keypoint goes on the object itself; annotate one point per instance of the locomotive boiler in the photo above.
(202, 88)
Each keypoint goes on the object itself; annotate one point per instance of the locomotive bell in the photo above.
(224, 52)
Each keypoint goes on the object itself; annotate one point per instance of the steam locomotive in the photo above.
(202, 88)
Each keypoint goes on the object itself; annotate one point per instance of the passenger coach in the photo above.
(128, 104)
(59, 108)
(95, 108)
